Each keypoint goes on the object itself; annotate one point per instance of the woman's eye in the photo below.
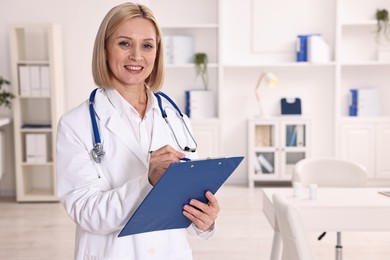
(124, 44)
(148, 46)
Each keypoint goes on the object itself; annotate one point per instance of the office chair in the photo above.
(296, 245)
(330, 172)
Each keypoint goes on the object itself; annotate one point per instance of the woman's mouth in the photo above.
(134, 68)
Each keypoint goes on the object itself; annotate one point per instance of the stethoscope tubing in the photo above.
(93, 117)
(97, 151)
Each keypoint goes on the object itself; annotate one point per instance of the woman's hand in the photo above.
(201, 214)
(160, 160)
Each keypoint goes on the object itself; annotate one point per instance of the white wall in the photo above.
(80, 20)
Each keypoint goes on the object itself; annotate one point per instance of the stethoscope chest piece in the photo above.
(97, 153)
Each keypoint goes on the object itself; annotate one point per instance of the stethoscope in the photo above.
(97, 151)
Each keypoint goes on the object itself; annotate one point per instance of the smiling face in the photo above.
(131, 51)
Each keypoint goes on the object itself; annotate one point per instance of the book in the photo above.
(179, 49)
(317, 49)
(36, 148)
(291, 135)
(199, 104)
(35, 81)
(24, 81)
(353, 102)
(300, 135)
(365, 102)
(301, 48)
(312, 48)
(368, 102)
(265, 164)
(258, 168)
(45, 81)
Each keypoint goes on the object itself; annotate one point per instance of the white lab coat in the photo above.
(100, 198)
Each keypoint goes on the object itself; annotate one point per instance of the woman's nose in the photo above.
(135, 54)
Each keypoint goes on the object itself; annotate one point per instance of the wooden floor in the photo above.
(42, 231)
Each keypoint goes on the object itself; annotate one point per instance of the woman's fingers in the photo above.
(160, 160)
(201, 214)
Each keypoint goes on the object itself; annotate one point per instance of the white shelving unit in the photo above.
(274, 146)
(37, 108)
(362, 139)
(205, 31)
(349, 29)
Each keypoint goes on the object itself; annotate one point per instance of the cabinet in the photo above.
(367, 143)
(36, 62)
(181, 75)
(205, 134)
(274, 146)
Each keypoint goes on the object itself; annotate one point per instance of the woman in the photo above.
(101, 195)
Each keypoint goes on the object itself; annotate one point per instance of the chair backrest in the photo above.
(329, 172)
(296, 245)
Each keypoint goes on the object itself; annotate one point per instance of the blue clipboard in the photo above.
(163, 206)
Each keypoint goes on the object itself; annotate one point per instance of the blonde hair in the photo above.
(100, 70)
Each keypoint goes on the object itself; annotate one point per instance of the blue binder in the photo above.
(163, 206)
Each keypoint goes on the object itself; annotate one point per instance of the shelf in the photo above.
(33, 62)
(29, 97)
(36, 130)
(190, 26)
(264, 149)
(38, 164)
(359, 23)
(189, 66)
(38, 104)
(204, 120)
(364, 120)
(365, 63)
(295, 149)
(280, 65)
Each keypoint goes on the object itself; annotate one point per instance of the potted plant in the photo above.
(200, 103)
(382, 18)
(5, 96)
(201, 61)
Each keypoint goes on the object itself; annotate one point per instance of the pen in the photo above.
(184, 159)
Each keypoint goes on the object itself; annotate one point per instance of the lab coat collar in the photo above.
(122, 105)
(111, 119)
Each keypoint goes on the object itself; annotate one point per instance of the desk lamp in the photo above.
(270, 80)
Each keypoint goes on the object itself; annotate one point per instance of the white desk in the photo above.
(335, 209)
